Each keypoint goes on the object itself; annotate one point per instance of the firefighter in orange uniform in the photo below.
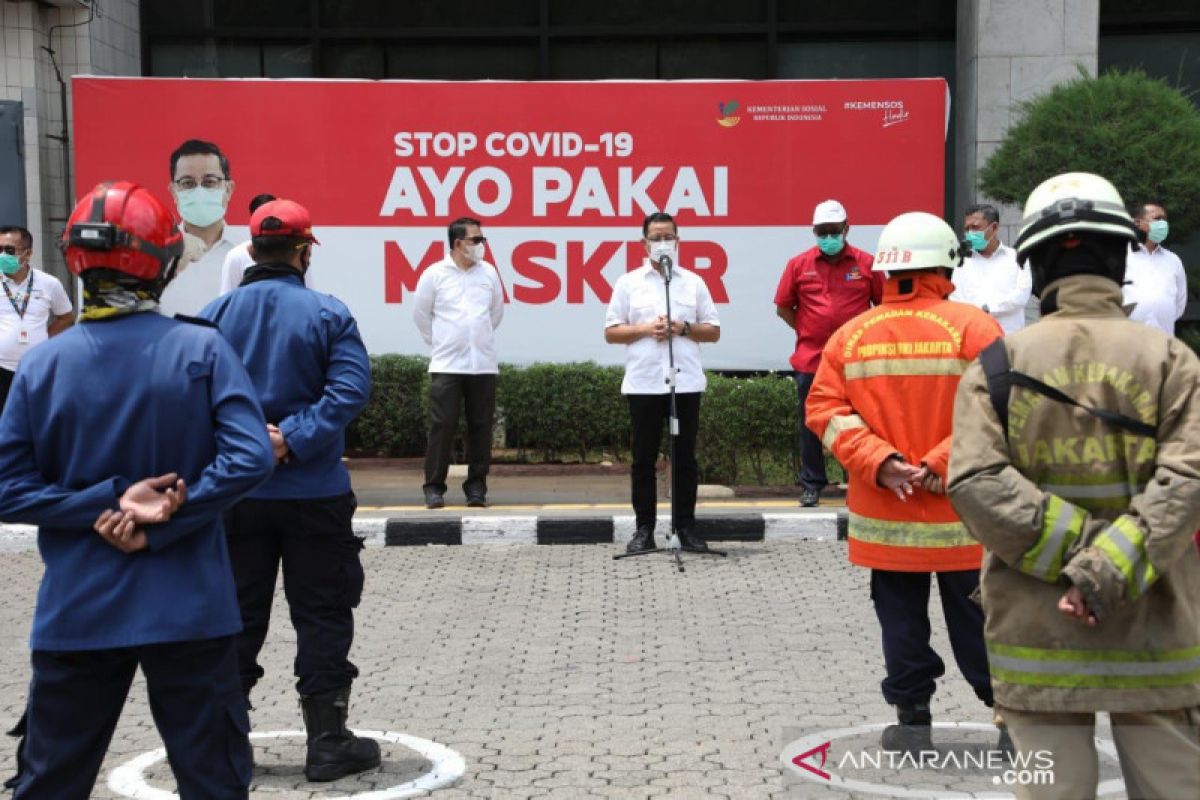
(882, 402)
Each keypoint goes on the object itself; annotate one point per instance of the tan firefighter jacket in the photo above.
(1069, 498)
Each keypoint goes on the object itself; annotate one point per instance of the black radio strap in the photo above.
(1001, 377)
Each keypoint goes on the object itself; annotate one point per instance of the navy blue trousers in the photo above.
(314, 542)
(812, 455)
(902, 605)
(75, 700)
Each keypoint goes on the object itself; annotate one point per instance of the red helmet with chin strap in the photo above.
(120, 226)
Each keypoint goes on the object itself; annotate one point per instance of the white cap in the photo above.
(829, 211)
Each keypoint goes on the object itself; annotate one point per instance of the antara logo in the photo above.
(894, 256)
(802, 762)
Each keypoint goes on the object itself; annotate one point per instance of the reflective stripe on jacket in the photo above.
(1069, 499)
(886, 385)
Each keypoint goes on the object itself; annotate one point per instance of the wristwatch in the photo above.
(687, 328)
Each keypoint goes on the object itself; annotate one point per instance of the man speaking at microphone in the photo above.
(637, 318)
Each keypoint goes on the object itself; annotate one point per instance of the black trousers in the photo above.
(447, 392)
(6, 381)
(902, 605)
(314, 541)
(75, 700)
(812, 455)
(647, 413)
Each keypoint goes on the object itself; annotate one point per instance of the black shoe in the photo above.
(690, 541)
(809, 498)
(1004, 744)
(913, 734)
(476, 500)
(434, 499)
(643, 539)
(333, 751)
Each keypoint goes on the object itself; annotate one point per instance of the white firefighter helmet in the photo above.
(1073, 201)
(917, 240)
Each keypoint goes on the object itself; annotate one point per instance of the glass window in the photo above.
(287, 60)
(888, 59)
(661, 12)
(712, 58)
(259, 13)
(237, 60)
(870, 15)
(464, 60)
(182, 59)
(172, 15)
(352, 60)
(1174, 57)
(597, 59)
(376, 14)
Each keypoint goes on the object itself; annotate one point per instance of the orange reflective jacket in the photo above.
(886, 385)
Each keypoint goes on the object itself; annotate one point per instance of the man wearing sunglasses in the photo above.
(35, 307)
(459, 304)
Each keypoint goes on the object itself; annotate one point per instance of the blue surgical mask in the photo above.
(9, 264)
(831, 245)
(1158, 230)
(977, 240)
(201, 207)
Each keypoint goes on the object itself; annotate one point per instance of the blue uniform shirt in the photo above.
(103, 405)
(311, 372)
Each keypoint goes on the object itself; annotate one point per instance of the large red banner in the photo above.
(562, 175)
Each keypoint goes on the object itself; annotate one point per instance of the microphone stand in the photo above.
(673, 545)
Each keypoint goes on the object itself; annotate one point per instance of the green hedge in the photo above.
(575, 411)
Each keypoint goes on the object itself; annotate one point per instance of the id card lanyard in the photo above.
(23, 332)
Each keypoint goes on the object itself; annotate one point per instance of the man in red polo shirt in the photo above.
(820, 290)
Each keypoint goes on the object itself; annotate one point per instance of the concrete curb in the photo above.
(822, 526)
(425, 529)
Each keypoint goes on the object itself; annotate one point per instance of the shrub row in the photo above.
(552, 412)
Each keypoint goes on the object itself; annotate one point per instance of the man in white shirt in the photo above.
(1155, 282)
(990, 278)
(201, 186)
(458, 305)
(637, 318)
(35, 306)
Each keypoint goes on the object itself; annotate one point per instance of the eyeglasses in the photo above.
(666, 237)
(475, 239)
(208, 182)
(11, 249)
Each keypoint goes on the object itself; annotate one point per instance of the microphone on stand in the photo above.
(664, 265)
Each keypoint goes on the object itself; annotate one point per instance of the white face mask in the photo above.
(201, 207)
(476, 253)
(660, 249)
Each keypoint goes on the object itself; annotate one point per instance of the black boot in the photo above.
(334, 751)
(690, 541)
(1004, 744)
(913, 734)
(643, 539)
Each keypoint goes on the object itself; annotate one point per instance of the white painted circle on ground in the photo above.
(129, 780)
(807, 743)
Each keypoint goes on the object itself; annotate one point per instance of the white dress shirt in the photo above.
(237, 261)
(996, 283)
(640, 297)
(199, 283)
(47, 300)
(1157, 285)
(457, 312)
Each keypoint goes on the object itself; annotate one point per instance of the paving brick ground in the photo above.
(557, 672)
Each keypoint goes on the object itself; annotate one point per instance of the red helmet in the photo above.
(122, 227)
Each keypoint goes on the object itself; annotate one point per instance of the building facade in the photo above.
(994, 54)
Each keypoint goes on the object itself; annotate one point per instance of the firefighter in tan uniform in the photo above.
(1076, 463)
